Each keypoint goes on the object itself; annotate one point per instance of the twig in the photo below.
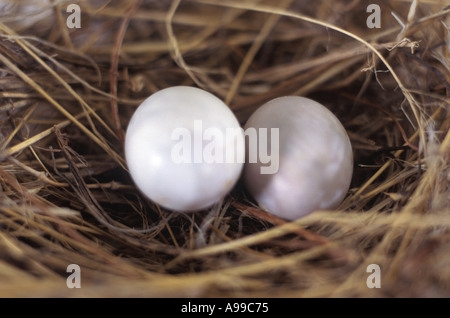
(178, 57)
(278, 221)
(113, 73)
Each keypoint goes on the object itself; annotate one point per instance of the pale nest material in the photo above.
(67, 96)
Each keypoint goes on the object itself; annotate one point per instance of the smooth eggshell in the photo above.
(315, 163)
(174, 185)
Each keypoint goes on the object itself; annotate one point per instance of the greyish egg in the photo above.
(311, 160)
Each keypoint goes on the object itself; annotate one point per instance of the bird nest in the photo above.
(72, 76)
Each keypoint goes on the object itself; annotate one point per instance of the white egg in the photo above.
(184, 148)
(311, 159)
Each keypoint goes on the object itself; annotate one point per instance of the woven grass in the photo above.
(68, 94)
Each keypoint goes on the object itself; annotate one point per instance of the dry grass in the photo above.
(66, 197)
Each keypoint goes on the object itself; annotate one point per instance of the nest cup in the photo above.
(68, 91)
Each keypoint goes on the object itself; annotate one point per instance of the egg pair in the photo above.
(186, 150)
